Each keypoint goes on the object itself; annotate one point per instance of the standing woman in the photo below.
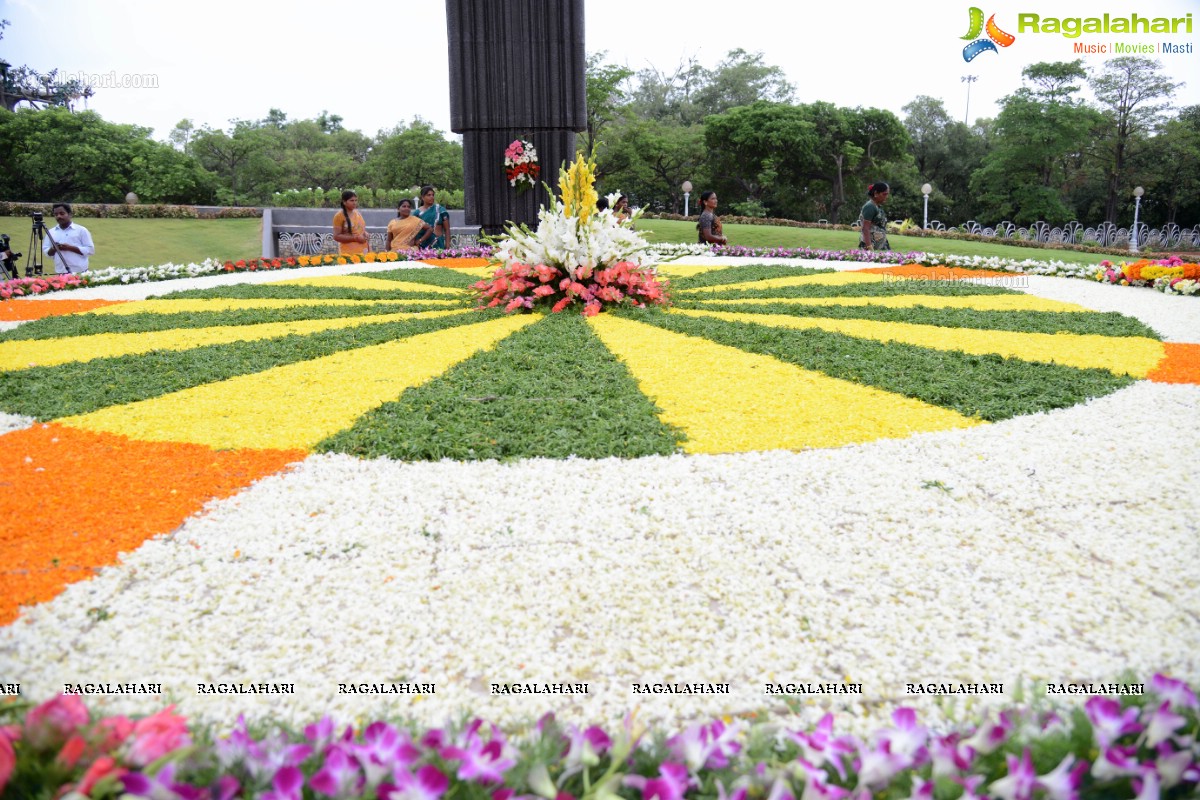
(873, 220)
(403, 230)
(349, 227)
(710, 224)
(436, 217)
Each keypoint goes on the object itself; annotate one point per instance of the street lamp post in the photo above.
(687, 193)
(1137, 206)
(925, 190)
(968, 79)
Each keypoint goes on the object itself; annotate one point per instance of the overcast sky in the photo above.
(381, 63)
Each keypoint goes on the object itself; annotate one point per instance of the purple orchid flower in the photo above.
(739, 792)
(429, 783)
(970, 785)
(1173, 765)
(584, 747)
(1161, 725)
(1147, 785)
(1109, 722)
(384, 750)
(877, 766)
(1062, 782)
(821, 746)
(671, 783)
(1019, 783)
(908, 738)
(921, 790)
(161, 786)
(1116, 762)
(234, 748)
(816, 783)
(1175, 692)
(288, 784)
(989, 736)
(485, 762)
(339, 776)
(705, 745)
(949, 757)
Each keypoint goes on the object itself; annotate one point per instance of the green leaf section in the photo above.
(551, 390)
(986, 386)
(251, 290)
(52, 392)
(1079, 322)
(878, 289)
(87, 324)
(750, 272)
(433, 276)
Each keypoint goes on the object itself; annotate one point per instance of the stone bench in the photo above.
(309, 231)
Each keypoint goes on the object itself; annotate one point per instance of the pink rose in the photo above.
(52, 723)
(8, 761)
(157, 735)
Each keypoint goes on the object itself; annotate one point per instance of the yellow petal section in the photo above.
(676, 270)
(298, 405)
(975, 302)
(373, 284)
(731, 401)
(25, 353)
(192, 306)
(820, 279)
(1122, 355)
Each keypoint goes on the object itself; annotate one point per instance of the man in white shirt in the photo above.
(71, 245)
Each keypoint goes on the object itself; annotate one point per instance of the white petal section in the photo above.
(1032, 548)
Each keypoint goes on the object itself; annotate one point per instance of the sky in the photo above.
(380, 64)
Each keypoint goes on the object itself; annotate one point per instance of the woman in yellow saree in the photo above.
(402, 232)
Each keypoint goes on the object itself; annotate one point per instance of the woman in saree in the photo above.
(402, 232)
(436, 217)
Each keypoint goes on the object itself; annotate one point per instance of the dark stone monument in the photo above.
(516, 72)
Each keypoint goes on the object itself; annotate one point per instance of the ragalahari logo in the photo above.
(995, 36)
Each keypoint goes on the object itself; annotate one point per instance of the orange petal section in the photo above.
(457, 263)
(1180, 364)
(24, 310)
(72, 501)
(937, 273)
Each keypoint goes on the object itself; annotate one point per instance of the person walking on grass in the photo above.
(872, 220)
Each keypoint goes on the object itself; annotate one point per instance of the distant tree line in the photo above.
(735, 128)
(1047, 155)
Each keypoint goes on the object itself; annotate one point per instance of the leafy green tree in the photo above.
(1133, 93)
(413, 155)
(759, 154)
(649, 160)
(741, 79)
(1168, 167)
(1042, 136)
(39, 89)
(606, 97)
(54, 154)
(181, 135)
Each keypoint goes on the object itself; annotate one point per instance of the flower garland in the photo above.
(577, 255)
(521, 165)
(1138, 746)
(1170, 276)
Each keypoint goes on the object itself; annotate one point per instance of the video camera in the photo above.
(8, 258)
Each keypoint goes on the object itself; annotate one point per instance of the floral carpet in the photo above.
(871, 480)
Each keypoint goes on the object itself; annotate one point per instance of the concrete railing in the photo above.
(309, 231)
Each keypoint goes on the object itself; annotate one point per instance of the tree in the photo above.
(649, 159)
(741, 79)
(54, 154)
(759, 154)
(605, 97)
(26, 85)
(413, 155)
(1133, 94)
(1042, 138)
(945, 152)
(181, 135)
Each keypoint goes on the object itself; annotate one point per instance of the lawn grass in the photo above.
(679, 232)
(147, 242)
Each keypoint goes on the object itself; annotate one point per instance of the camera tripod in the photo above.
(34, 261)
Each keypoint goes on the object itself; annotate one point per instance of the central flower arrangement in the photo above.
(577, 255)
